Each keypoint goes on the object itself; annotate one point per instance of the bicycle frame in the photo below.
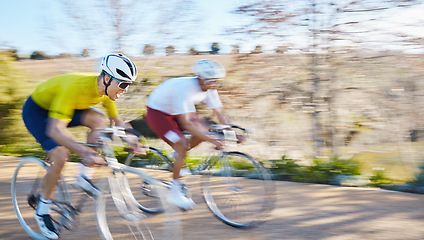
(66, 211)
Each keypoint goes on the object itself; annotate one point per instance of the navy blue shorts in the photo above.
(35, 119)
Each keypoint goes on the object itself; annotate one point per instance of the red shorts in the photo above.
(164, 125)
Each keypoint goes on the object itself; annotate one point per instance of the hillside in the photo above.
(361, 104)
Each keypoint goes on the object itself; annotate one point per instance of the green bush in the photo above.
(379, 179)
(285, 168)
(12, 96)
(321, 171)
(31, 149)
(420, 177)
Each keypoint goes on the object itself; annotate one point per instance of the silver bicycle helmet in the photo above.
(207, 69)
(119, 67)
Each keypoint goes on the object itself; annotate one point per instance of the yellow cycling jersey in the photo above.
(63, 94)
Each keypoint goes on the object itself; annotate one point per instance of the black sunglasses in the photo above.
(121, 84)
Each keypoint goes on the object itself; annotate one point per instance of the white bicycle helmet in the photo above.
(207, 69)
(119, 67)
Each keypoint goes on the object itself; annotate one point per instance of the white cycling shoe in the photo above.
(46, 226)
(87, 186)
(179, 198)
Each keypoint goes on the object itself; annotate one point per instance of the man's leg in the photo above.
(180, 148)
(166, 128)
(180, 199)
(92, 119)
(58, 156)
(200, 124)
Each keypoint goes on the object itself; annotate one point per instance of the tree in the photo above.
(111, 22)
(257, 50)
(39, 55)
(176, 21)
(169, 50)
(236, 49)
(85, 53)
(193, 51)
(280, 49)
(148, 50)
(324, 26)
(215, 48)
(14, 53)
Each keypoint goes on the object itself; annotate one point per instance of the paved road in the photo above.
(303, 211)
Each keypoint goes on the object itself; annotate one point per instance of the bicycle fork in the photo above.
(123, 198)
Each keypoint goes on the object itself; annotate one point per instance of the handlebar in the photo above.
(221, 127)
(225, 132)
(120, 131)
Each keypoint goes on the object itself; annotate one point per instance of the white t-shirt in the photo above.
(180, 95)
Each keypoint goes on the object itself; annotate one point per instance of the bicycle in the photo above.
(236, 187)
(116, 211)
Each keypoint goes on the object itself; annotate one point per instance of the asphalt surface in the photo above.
(302, 211)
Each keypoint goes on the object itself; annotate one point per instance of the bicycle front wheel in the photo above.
(156, 164)
(238, 190)
(26, 188)
(117, 210)
(154, 159)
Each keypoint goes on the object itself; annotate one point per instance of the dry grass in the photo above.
(271, 94)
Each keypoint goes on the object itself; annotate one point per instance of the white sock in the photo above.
(43, 206)
(85, 171)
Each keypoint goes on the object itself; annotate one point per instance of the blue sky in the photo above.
(30, 25)
(19, 26)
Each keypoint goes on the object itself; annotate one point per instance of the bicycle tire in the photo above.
(25, 195)
(117, 211)
(26, 188)
(153, 160)
(156, 164)
(238, 190)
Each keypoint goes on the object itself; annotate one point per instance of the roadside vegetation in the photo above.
(367, 113)
(334, 171)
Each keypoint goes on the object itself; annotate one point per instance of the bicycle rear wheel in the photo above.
(238, 190)
(26, 188)
(117, 211)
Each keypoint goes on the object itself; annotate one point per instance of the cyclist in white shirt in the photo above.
(171, 108)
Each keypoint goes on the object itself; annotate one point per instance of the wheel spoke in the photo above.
(117, 210)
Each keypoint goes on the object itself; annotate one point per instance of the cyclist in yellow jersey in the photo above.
(64, 94)
(66, 101)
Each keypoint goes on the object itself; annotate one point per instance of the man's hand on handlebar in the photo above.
(240, 138)
(136, 147)
(218, 144)
(90, 158)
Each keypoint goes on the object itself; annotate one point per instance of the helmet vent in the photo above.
(130, 66)
(120, 72)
